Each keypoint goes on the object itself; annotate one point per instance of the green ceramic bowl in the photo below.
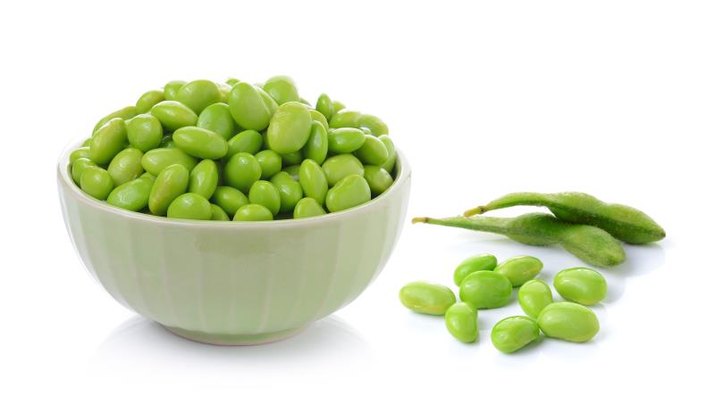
(234, 282)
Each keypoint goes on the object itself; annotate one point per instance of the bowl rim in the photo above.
(402, 167)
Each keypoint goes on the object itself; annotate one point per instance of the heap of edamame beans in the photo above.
(486, 284)
(218, 151)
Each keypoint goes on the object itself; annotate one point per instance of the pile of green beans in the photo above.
(485, 283)
(219, 151)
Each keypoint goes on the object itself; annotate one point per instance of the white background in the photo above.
(614, 98)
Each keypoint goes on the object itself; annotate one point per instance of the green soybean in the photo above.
(308, 207)
(203, 179)
(132, 195)
(461, 321)
(148, 99)
(289, 128)
(247, 141)
(514, 333)
(174, 115)
(590, 244)
(318, 117)
(172, 88)
(264, 193)
(218, 214)
(324, 105)
(270, 162)
(78, 166)
(378, 179)
(190, 206)
(337, 106)
(534, 296)
(372, 152)
(473, 264)
(349, 192)
(345, 140)
(108, 141)
(376, 125)
(217, 118)
(125, 166)
(154, 161)
(340, 166)
(520, 269)
(289, 190)
(241, 171)
(282, 89)
(389, 164)
(96, 182)
(82, 152)
(124, 114)
(249, 108)
(623, 222)
(427, 298)
(144, 132)
(198, 94)
(229, 199)
(171, 182)
(581, 285)
(345, 118)
(293, 171)
(313, 181)
(200, 143)
(253, 212)
(568, 321)
(485, 289)
(317, 146)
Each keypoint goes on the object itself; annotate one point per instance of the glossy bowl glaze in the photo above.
(234, 283)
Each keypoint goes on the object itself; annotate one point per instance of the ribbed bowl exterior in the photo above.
(234, 278)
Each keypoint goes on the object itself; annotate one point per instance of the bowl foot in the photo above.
(219, 339)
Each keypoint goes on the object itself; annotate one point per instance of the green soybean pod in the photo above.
(289, 128)
(264, 193)
(241, 171)
(313, 181)
(154, 161)
(190, 206)
(253, 212)
(372, 152)
(171, 182)
(124, 114)
(376, 125)
(514, 333)
(203, 179)
(289, 190)
(461, 321)
(82, 152)
(148, 99)
(144, 132)
(78, 166)
(217, 118)
(378, 179)
(198, 94)
(389, 164)
(568, 321)
(317, 146)
(218, 214)
(345, 140)
(172, 88)
(349, 192)
(126, 166)
(96, 182)
(339, 166)
(270, 162)
(427, 298)
(581, 285)
(200, 143)
(473, 264)
(247, 141)
(534, 295)
(520, 269)
(308, 207)
(318, 117)
(132, 195)
(485, 289)
(282, 89)
(229, 199)
(174, 115)
(324, 105)
(249, 108)
(108, 141)
(345, 118)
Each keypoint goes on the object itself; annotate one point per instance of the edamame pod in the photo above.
(171, 182)
(427, 298)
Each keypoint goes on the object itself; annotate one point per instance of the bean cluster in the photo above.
(219, 151)
(486, 284)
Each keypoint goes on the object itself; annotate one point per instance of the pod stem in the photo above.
(510, 200)
(497, 225)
